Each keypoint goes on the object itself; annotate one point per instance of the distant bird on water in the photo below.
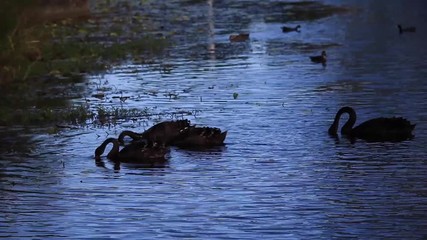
(319, 59)
(241, 37)
(374, 130)
(291, 29)
(407, 29)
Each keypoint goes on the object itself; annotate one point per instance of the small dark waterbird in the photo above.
(374, 130)
(406, 29)
(286, 29)
(135, 152)
(197, 137)
(319, 59)
(241, 37)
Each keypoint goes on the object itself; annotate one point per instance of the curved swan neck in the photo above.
(131, 134)
(113, 152)
(348, 126)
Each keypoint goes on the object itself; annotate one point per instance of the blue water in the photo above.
(280, 176)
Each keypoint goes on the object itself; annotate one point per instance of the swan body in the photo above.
(139, 151)
(291, 29)
(196, 137)
(241, 37)
(178, 133)
(319, 59)
(407, 29)
(377, 129)
(163, 132)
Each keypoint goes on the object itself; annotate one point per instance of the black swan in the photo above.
(138, 151)
(407, 29)
(196, 137)
(319, 59)
(377, 129)
(241, 37)
(166, 131)
(163, 132)
(291, 29)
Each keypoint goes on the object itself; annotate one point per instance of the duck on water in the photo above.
(241, 37)
(374, 130)
(319, 59)
(406, 29)
(286, 29)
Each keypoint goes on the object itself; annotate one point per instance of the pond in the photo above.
(279, 176)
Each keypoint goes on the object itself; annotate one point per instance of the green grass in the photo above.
(36, 59)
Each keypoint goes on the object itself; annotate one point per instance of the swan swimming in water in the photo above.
(377, 129)
(179, 133)
(138, 151)
(199, 137)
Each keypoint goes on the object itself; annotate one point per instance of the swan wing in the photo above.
(384, 129)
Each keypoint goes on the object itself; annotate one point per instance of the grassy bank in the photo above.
(43, 46)
(33, 46)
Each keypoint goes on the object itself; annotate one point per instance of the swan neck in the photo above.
(113, 152)
(131, 134)
(348, 126)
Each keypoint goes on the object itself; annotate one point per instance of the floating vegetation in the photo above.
(85, 114)
(113, 115)
(76, 115)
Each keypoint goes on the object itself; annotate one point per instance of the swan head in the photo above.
(324, 54)
(98, 152)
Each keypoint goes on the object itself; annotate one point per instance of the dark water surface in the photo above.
(280, 176)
